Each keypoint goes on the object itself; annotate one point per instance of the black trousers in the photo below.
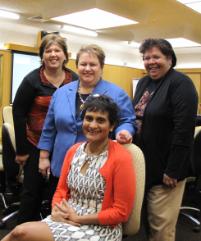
(33, 190)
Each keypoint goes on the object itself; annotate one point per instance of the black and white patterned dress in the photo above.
(87, 192)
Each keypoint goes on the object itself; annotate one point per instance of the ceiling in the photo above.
(157, 18)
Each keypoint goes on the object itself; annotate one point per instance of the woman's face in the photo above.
(156, 63)
(96, 126)
(53, 57)
(89, 69)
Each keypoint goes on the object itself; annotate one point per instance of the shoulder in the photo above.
(73, 74)
(32, 78)
(74, 147)
(178, 79)
(34, 73)
(120, 154)
(70, 86)
(111, 85)
(113, 90)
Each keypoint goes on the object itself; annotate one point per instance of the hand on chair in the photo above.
(124, 137)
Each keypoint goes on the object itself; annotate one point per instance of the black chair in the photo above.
(193, 212)
(9, 173)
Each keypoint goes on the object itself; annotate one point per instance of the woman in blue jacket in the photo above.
(63, 125)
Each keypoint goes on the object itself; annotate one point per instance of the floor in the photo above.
(184, 227)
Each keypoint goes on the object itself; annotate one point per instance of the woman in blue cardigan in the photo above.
(63, 125)
(165, 103)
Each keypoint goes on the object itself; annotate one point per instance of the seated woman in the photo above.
(95, 192)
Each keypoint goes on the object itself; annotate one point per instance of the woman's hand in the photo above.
(62, 212)
(44, 166)
(21, 159)
(168, 181)
(123, 137)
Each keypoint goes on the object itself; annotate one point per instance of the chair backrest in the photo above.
(133, 224)
(8, 115)
(8, 124)
(197, 152)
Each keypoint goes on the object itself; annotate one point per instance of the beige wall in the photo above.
(195, 75)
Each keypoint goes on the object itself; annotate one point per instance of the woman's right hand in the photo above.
(44, 166)
(21, 159)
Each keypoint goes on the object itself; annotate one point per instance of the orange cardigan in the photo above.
(120, 186)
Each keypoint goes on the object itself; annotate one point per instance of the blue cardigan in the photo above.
(61, 128)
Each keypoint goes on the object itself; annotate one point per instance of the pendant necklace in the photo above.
(82, 100)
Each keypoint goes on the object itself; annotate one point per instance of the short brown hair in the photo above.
(92, 49)
(49, 39)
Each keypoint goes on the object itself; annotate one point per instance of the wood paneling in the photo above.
(5, 81)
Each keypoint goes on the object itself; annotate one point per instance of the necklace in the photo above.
(82, 100)
(91, 156)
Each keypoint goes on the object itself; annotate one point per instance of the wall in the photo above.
(195, 75)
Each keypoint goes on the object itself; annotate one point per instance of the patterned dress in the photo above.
(86, 196)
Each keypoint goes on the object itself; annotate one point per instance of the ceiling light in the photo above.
(6, 14)
(94, 19)
(193, 4)
(81, 31)
(182, 42)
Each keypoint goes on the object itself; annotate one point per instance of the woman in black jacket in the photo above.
(165, 103)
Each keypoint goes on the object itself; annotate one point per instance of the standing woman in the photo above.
(29, 110)
(63, 125)
(165, 103)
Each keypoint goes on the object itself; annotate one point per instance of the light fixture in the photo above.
(10, 15)
(182, 43)
(193, 4)
(94, 19)
(80, 31)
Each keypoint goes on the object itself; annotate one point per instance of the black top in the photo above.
(168, 126)
(30, 107)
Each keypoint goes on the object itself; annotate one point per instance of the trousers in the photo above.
(32, 189)
(163, 205)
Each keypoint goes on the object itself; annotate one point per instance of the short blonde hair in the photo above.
(92, 49)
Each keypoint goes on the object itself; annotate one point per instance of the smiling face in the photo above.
(156, 63)
(96, 126)
(53, 57)
(89, 69)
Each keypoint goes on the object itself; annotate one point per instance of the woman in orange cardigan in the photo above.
(95, 192)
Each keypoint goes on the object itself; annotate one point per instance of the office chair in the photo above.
(132, 226)
(9, 170)
(194, 213)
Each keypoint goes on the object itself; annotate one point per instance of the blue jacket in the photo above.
(61, 128)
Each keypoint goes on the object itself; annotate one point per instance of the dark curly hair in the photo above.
(102, 103)
(162, 44)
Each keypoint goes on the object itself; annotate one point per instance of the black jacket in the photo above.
(168, 126)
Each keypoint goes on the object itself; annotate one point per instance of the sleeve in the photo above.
(127, 115)
(21, 106)
(184, 101)
(48, 134)
(124, 189)
(62, 191)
